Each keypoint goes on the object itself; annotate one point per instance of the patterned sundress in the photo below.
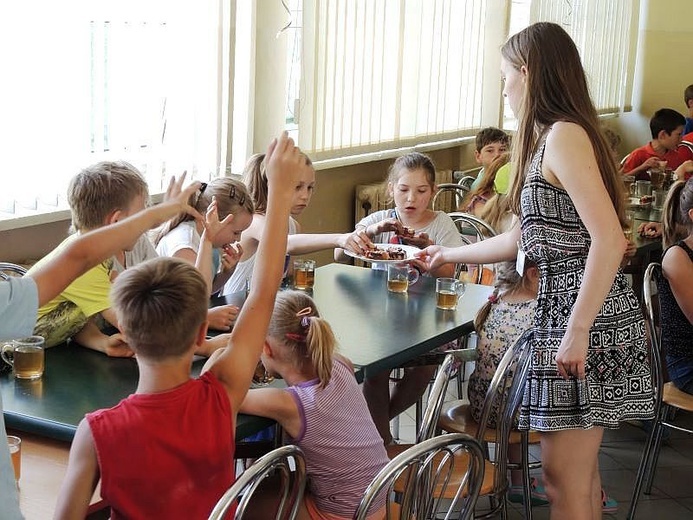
(617, 386)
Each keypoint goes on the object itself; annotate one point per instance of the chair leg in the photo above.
(645, 463)
(658, 431)
(526, 481)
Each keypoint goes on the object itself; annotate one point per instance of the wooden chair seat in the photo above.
(677, 398)
(457, 417)
(459, 471)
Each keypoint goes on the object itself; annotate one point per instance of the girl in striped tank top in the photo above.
(322, 410)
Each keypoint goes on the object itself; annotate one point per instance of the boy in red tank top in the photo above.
(167, 450)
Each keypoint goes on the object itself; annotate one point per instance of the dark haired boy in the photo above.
(666, 127)
(490, 143)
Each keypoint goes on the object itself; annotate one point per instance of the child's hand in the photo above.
(285, 164)
(389, 224)
(176, 199)
(681, 171)
(116, 346)
(222, 317)
(652, 162)
(230, 256)
(213, 226)
(650, 229)
(357, 242)
(421, 240)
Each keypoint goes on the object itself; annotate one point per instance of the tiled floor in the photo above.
(672, 493)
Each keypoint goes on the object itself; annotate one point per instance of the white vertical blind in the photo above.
(606, 34)
(392, 73)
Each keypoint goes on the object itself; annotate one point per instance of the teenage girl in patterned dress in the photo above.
(322, 410)
(589, 368)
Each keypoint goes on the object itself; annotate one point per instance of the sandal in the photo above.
(539, 498)
(609, 505)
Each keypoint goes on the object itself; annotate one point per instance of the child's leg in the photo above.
(376, 390)
(408, 390)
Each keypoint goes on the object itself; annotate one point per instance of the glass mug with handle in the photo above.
(400, 276)
(26, 356)
(448, 292)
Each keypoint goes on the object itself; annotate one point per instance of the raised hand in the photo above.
(284, 165)
(222, 317)
(176, 200)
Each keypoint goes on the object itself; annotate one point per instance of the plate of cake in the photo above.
(387, 253)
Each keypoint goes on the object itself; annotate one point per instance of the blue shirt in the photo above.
(18, 311)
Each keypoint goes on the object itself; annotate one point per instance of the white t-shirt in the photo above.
(244, 269)
(441, 230)
(185, 236)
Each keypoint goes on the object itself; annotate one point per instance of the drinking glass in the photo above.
(304, 274)
(15, 445)
(399, 276)
(448, 292)
(628, 226)
(26, 356)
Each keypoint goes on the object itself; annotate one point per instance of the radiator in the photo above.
(373, 197)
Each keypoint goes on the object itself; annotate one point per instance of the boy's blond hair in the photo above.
(160, 305)
(102, 188)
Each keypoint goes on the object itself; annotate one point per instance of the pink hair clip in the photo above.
(493, 298)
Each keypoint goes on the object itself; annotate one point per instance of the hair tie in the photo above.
(299, 338)
(493, 298)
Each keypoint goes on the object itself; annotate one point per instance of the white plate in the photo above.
(409, 250)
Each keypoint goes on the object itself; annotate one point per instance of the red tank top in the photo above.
(167, 455)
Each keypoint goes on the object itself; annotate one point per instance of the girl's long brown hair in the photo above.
(486, 184)
(555, 90)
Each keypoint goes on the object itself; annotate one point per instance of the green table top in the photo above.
(376, 329)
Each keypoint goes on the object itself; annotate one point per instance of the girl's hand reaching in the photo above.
(389, 224)
(432, 257)
(357, 242)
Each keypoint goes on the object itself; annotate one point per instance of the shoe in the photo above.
(539, 498)
(609, 505)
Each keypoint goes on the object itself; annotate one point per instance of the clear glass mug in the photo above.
(448, 292)
(304, 274)
(26, 356)
(400, 276)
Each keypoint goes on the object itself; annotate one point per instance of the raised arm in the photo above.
(96, 246)
(569, 161)
(234, 365)
(304, 243)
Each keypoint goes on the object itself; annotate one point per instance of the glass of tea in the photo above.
(15, 445)
(448, 292)
(26, 356)
(261, 377)
(304, 274)
(400, 276)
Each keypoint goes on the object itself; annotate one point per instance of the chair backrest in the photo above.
(471, 229)
(505, 394)
(467, 181)
(293, 484)
(436, 397)
(441, 202)
(8, 269)
(651, 278)
(427, 467)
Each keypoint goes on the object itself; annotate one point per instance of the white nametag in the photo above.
(520, 262)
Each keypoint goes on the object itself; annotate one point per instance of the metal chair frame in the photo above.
(506, 389)
(446, 423)
(466, 222)
(427, 467)
(668, 398)
(458, 190)
(8, 267)
(291, 492)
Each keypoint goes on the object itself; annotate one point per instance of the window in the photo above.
(91, 81)
(605, 33)
(394, 73)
